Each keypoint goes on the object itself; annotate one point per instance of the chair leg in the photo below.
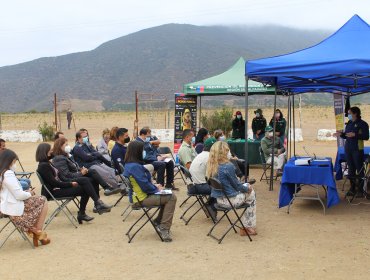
(118, 201)
(149, 219)
(186, 200)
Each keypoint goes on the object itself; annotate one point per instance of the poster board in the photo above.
(339, 116)
(185, 116)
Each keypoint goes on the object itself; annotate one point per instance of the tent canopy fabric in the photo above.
(340, 63)
(231, 82)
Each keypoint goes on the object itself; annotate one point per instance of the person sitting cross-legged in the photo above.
(161, 163)
(87, 157)
(279, 151)
(145, 190)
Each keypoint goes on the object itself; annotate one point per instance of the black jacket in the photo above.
(238, 128)
(259, 123)
(49, 176)
(86, 156)
(68, 169)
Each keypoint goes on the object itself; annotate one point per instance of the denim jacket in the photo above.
(227, 176)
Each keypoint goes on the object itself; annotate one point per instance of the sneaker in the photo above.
(165, 234)
(111, 190)
(251, 181)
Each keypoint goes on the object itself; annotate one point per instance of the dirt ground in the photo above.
(304, 244)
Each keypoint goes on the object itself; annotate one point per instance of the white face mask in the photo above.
(67, 149)
(13, 167)
(270, 134)
(222, 138)
(229, 156)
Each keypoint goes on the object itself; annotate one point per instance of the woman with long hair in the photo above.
(102, 146)
(76, 186)
(25, 209)
(112, 138)
(201, 137)
(145, 190)
(220, 167)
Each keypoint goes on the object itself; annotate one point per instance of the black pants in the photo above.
(240, 167)
(355, 162)
(161, 167)
(85, 189)
(97, 180)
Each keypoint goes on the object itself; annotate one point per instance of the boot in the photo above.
(101, 207)
(83, 217)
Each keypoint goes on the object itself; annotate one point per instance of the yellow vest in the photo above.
(137, 191)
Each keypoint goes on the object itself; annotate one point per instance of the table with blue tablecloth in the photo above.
(319, 173)
(341, 157)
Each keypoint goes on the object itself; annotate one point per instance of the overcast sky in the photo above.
(39, 28)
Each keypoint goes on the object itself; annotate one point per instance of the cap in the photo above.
(268, 128)
(209, 142)
(238, 113)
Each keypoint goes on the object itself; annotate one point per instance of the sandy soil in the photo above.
(302, 245)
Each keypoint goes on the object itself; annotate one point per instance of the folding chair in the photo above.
(199, 199)
(119, 173)
(266, 167)
(23, 173)
(361, 180)
(61, 202)
(216, 184)
(7, 224)
(167, 151)
(148, 217)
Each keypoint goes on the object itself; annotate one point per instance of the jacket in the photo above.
(50, 178)
(259, 123)
(280, 125)
(12, 195)
(227, 176)
(238, 128)
(86, 156)
(68, 169)
(102, 147)
(118, 156)
(266, 145)
(361, 130)
(151, 151)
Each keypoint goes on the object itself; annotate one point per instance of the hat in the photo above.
(209, 142)
(258, 111)
(238, 113)
(269, 128)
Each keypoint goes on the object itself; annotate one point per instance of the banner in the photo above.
(185, 116)
(339, 116)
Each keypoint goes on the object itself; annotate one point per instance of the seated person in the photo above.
(58, 135)
(102, 146)
(86, 156)
(140, 179)
(202, 136)
(112, 138)
(160, 162)
(187, 152)
(220, 167)
(279, 151)
(119, 149)
(219, 135)
(2, 145)
(83, 188)
(26, 210)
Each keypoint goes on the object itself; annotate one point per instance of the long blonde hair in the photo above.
(217, 155)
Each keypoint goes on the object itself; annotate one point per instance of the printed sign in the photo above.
(339, 116)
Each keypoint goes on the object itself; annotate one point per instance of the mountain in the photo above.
(155, 60)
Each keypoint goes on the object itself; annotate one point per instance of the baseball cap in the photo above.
(209, 142)
(268, 128)
(238, 113)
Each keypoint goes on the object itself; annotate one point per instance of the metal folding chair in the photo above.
(23, 173)
(266, 167)
(8, 223)
(167, 151)
(62, 204)
(236, 223)
(147, 216)
(199, 200)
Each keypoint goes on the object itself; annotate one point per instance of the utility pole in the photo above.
(55, 112)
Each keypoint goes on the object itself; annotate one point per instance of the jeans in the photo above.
(204, 189)
(161, 167)
(25, 183)
(167, 203)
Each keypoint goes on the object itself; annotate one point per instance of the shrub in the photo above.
(218, 120)
(47, 132)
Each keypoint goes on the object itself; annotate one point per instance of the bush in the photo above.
(47, 132)
(218, 120)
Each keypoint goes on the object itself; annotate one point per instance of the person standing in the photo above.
(355, 133)
(69, 117)
(238, 126)
(280, 125)
(259, 125)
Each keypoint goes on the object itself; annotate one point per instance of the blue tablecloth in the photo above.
(312, 174)
(341, 157)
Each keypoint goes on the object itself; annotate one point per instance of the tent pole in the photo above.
(200, 112)
(288, 132)
(293, 126)
(273, 141)
(246, 130)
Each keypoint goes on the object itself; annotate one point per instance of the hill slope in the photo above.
(159, 59)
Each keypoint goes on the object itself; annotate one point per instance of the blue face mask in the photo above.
(193, 139)
(350, 117)
(147, 139)
(144, 154)
(85, 139)
(239, 116)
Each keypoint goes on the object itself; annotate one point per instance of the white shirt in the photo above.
(198, 168)
(12, 195)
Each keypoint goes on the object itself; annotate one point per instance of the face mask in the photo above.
(85, 139)
(257, 115)
(144, 154)
(229, 156)
(270, 134)
(350, 117)
(13, 167)
(127, 140)
(277, 115)
(67, 149)
(239, 116)
(222, 138)
(147, 139)
(193, 139)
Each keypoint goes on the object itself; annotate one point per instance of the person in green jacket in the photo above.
(280, 124)
(259, 125)
(279, 151)
(238, 126)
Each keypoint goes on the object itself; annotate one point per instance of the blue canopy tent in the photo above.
(340, 64)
